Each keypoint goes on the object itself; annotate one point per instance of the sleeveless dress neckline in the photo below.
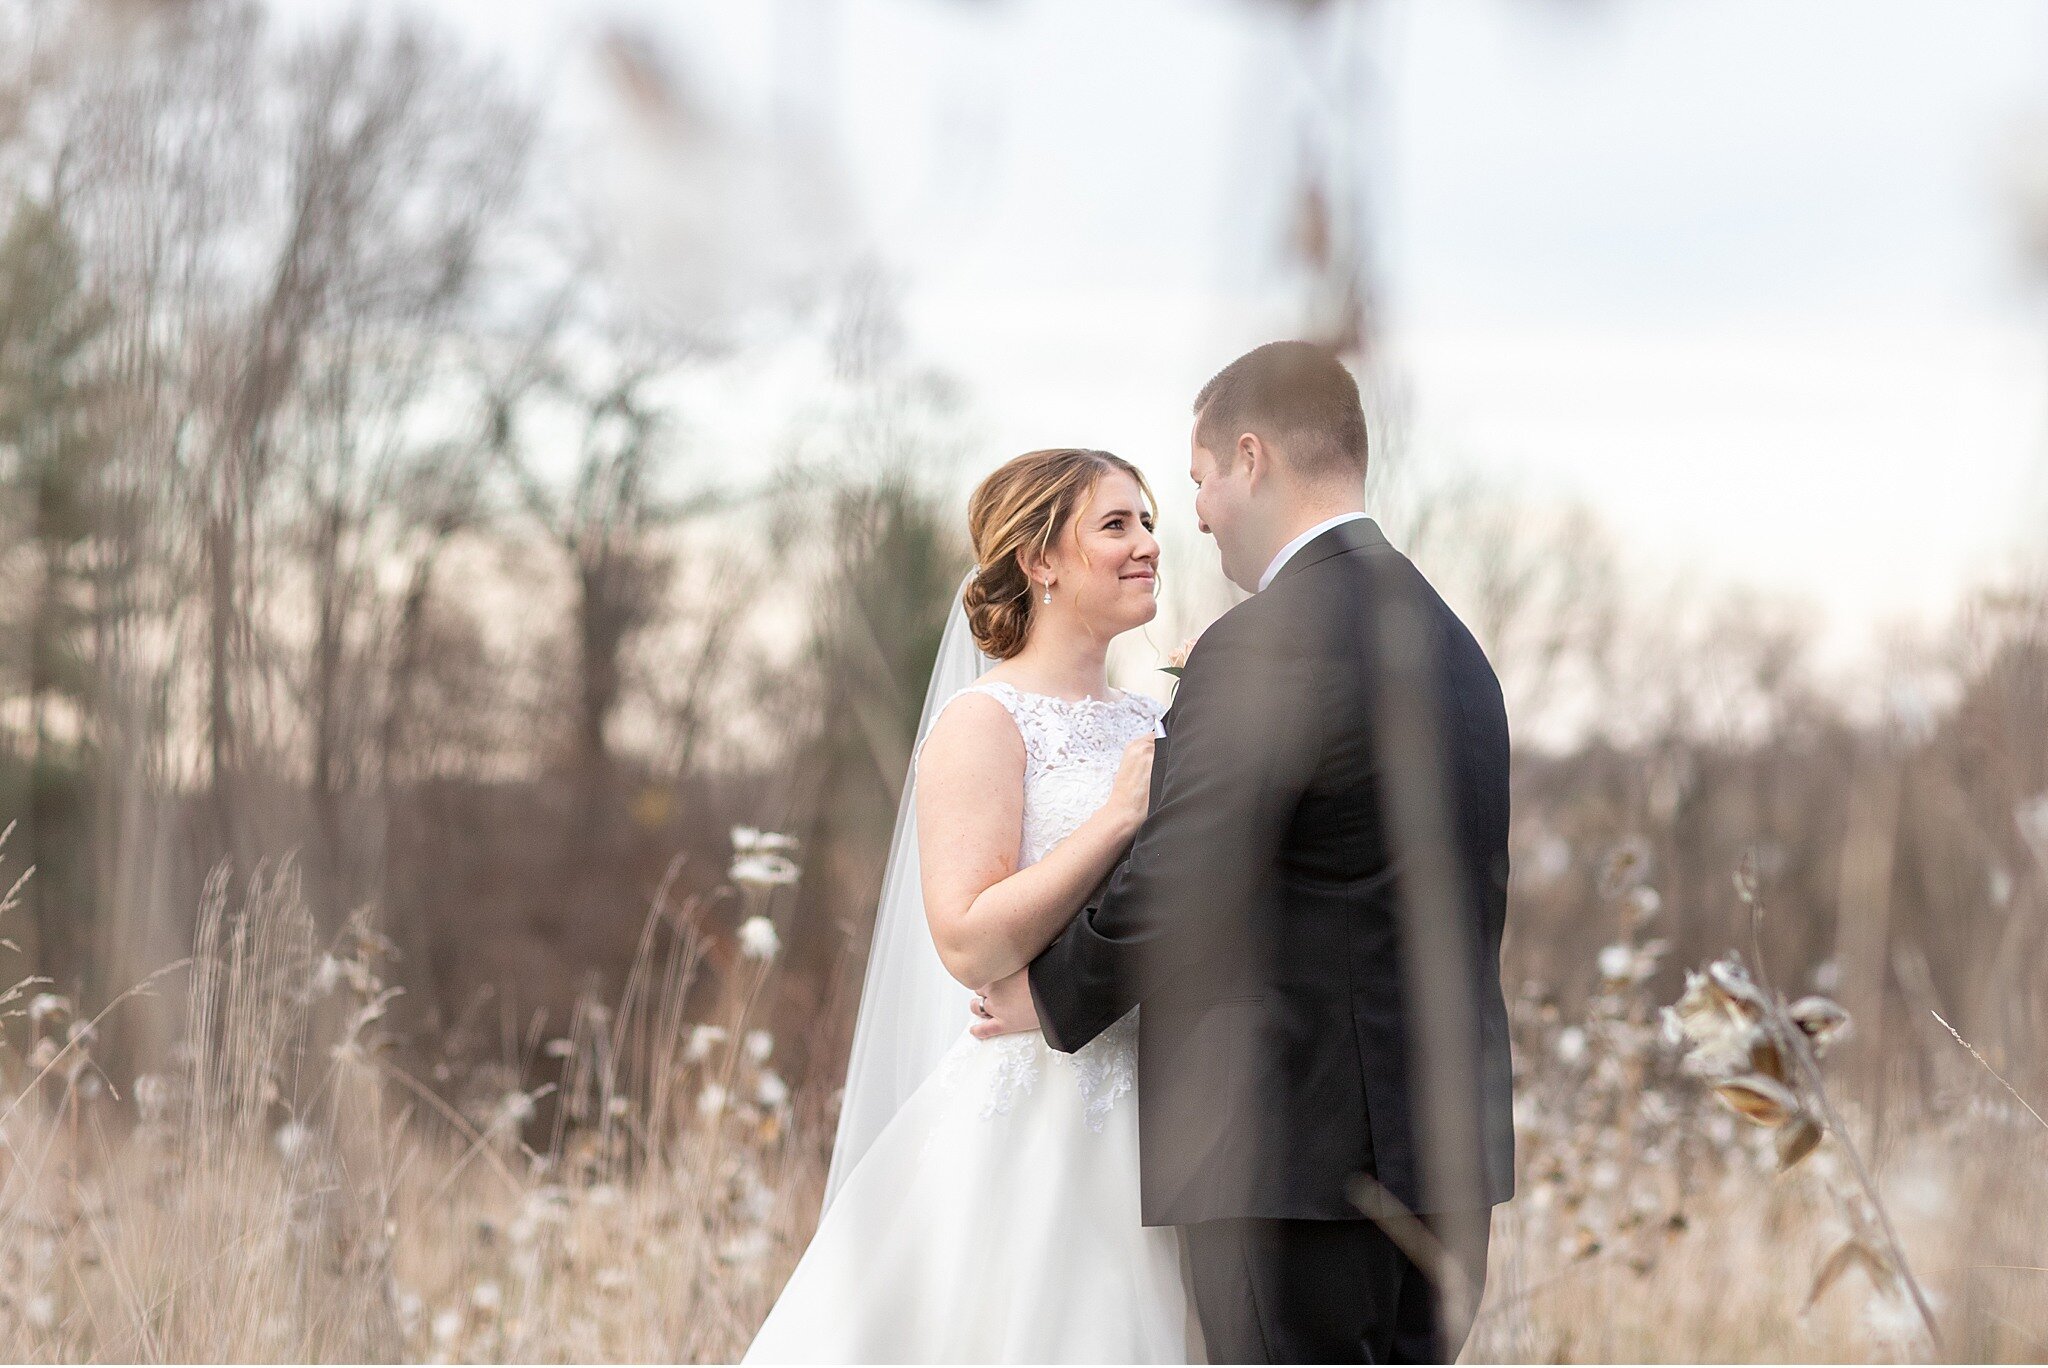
(1085, 700)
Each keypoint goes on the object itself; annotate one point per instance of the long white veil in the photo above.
(911, 1009)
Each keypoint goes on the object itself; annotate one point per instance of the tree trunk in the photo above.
(220, 556)
(329, 895)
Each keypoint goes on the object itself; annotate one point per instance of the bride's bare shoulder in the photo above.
(973, 737)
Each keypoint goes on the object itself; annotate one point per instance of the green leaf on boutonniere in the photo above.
(1175, 670)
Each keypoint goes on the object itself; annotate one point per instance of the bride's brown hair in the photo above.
(1025, 503)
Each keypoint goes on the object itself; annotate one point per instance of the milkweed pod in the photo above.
(1821, 1018)
(1758, 1099)
(1797, 1140)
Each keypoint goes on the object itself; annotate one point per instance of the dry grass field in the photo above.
(291, 1192)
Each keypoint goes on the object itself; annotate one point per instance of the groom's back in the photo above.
(1390, 891)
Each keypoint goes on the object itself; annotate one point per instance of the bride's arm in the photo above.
(989, 918)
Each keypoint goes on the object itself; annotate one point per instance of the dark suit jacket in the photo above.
(1259, 913)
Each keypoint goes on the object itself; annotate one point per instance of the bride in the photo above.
(983, 1201)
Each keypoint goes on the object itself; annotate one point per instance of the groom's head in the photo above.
(1279, 444)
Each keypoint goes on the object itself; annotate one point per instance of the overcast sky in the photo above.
(1741, 274)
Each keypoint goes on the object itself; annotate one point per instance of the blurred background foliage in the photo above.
(355, 509)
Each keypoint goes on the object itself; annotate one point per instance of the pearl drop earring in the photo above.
(1048, 593)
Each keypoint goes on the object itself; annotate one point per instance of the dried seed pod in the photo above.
(1746, 878)
(1797, 1140)
(1734, 983)
(1845, 1256)
(1706, 1016)
(1764, 1056)
(1763, 1101)
(1822, 1019)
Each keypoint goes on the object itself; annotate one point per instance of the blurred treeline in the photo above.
(1898, 831)
(354, 514)
(352, 517)
(1895, 817)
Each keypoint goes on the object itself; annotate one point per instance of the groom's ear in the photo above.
(1257, 458)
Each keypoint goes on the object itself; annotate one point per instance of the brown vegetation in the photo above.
(385, 668)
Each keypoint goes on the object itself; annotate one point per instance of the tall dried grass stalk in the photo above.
(286, 1190)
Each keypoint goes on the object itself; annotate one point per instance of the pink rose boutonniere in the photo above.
(1178, 661)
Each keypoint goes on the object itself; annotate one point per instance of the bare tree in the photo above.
(52, 452)
(429, 156)
(292, 249)
(608, 519)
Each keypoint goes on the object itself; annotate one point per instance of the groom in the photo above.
(1312, 913)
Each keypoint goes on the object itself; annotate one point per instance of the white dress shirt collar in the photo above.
(1287, 551)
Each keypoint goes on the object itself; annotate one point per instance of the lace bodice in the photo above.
(1072, 749)
(1071, 753)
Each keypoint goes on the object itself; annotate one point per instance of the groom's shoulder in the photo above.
(1337, 586)
(1333, 587)
(1321, 606)
(1253, 624)
(1328, 601)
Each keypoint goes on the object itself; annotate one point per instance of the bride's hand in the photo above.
(1130, 798)
(1004, 1008)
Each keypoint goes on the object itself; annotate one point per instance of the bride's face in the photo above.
(1105, 569)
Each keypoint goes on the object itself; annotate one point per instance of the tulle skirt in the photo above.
(996, 1219)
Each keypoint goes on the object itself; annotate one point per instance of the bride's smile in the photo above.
(1103, 574)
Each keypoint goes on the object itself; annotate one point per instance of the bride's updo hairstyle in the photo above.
(1026, 503)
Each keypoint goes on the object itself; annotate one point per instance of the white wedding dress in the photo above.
(995, 1218)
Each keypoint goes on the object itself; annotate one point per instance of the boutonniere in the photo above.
(1177, 663)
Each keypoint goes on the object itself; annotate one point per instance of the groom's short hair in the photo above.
(1297, 396)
